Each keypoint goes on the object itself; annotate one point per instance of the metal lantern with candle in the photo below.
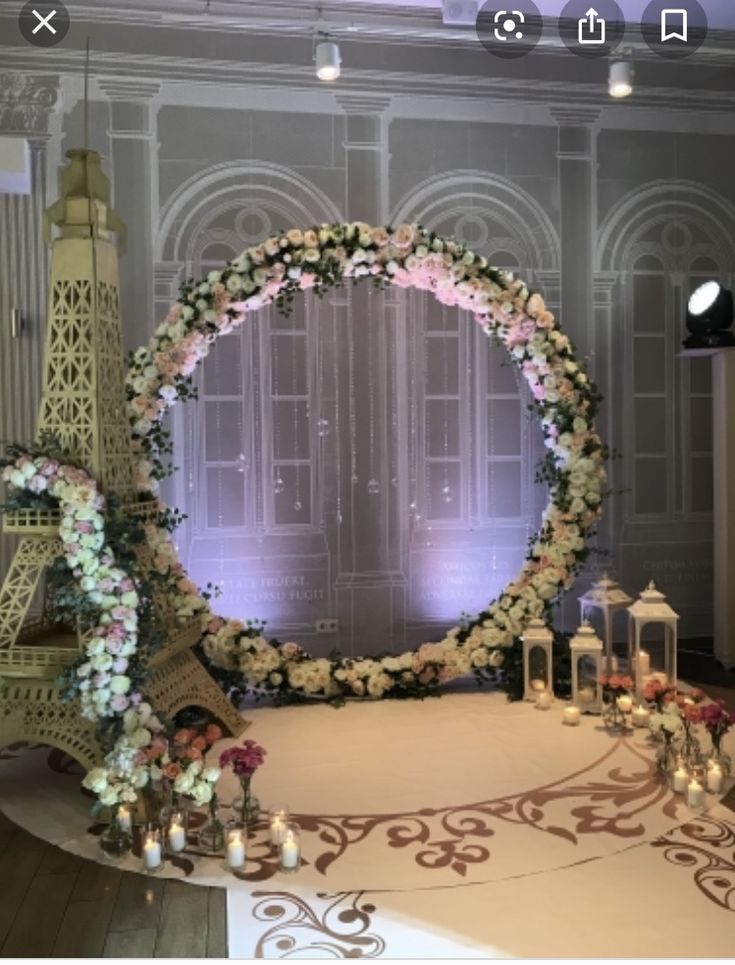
(606, 596)
(538, 641)
(586, 650)
(289, 850)
(651, 608)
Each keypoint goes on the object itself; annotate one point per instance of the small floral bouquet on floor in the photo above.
(666, 725)
(616, 698)
(658, 694)
(192, 777)
(717, 721)
(245, 761)
(691, 715)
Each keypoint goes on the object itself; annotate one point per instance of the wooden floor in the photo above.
(56, 905)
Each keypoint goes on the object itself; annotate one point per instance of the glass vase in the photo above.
(246, 805)
(212, 835)
(720, 757)
(116, 839)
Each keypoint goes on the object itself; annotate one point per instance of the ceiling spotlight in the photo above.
(709, 315)
(620, 80)
(327, 60)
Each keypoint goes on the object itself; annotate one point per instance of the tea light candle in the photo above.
(625, 703)
(641, 716)
(289, 852)
(151, 852)
(715, 777)
(124, 819)
(543, 701)
(538, 685)
(680, 780)
(571, 715)
(176, 836)
(586, 695)
(235, 849)
(695, 794)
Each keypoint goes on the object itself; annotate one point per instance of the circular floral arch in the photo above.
(110, 677)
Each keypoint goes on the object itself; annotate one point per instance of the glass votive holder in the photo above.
(695, 788)
(176, 831)
(289, 850)
(236, 837)
(679, 776)
(277, 821)
(715, 776)
(125, 818)
(152, 848)
(116, 839)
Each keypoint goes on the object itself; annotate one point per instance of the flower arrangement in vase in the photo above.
(244, 762)
(616, 698)
(717, 721)
(665, 725)
(658, 694)
(691, 715)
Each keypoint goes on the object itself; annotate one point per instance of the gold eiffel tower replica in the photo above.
(84, 406)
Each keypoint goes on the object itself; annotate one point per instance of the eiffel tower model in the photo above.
(84, 406)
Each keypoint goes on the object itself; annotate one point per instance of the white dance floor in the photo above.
(460, 827)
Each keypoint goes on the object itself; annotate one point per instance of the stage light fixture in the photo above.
(328, 60)
(620, 78)
(709, 315)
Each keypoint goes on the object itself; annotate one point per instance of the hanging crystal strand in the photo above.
(337, 424)
(488, 418)
(274, 336)
(469, 336)
(425, 336)
(392, 339)
(446, 488)
(373, 485)
(295, 412)
(412, 412)
(352, 404)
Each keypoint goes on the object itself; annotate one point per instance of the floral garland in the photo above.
(408, 257)
(160, 374)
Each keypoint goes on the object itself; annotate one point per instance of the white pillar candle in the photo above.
(586, 695)
(124, 819)
(538, 685)
(695, 794)
(176, 837)
(680, 780)
(644, 663)
(277, 829)
(235, 850)
(152, 854)
(641, 716)
(715, 778)
(625, 703)
(543, 701)
(571, 715)
(614, 666)
(289, 851)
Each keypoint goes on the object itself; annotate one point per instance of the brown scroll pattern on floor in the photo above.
(706, 846)
(341, 930)
(458, 837)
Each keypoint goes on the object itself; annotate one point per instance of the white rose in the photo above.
(212, 774)
(140, 737)
(120, 684)
(96, 780)
(109, 796)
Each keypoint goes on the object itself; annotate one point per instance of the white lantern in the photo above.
(651, 607)
(607, 596)
(537, 660)
(586, 650)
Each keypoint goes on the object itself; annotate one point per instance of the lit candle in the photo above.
(680, 780)
(277, 828)
(695, 794)
(235, 849)
(538, 685)
(176, 836)
(586, 695)
(571, 715)
(152, 853)
(641, 716)
(124, 819)
(625, 703)
(289, 852)
(644, 663)
(715, 778)
(543, 701)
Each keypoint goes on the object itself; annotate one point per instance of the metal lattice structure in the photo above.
(84, 405)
